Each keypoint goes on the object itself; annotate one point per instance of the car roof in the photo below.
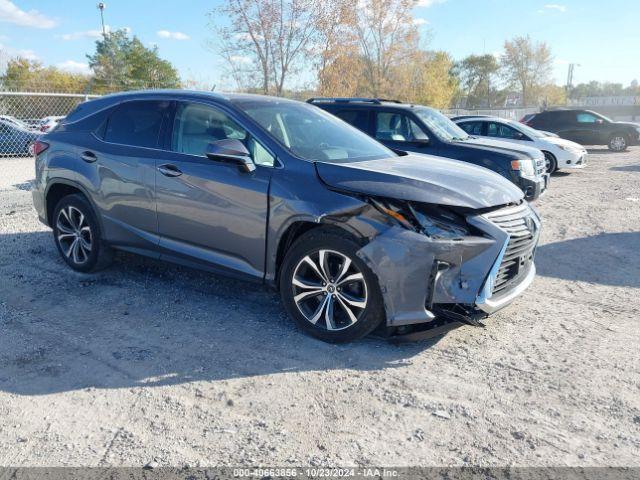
(107, 101)
(363, 102)
(483, 118)
(198, 94)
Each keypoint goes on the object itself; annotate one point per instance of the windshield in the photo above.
(532, 132)
(312, 134)
(440, 125)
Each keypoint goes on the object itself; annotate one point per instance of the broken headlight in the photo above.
(433, 221)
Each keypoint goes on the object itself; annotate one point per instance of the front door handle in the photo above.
(89, 157)
(169, 170)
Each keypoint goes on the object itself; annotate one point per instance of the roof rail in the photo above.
(376, 101)
(389, 100)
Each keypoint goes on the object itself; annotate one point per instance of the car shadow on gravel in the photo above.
(601, 151)
(606, 259)
(626, 168)
(148, 323)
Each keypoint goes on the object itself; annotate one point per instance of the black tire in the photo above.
(339, 327)
(90, 254)
(618, 142)
(551, 162)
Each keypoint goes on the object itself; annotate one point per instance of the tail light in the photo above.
(44, 128)
(38, 147)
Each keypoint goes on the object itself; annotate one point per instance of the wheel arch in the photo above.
(59, 188)
(299, 227)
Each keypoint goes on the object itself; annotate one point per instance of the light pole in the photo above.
(101, 7)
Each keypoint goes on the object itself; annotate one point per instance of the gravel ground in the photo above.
(151, 362)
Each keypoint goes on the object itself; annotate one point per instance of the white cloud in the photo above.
(418, 22)
(555, 6)
(9, 52)
(240, 59)
(92, 34)
(428, 3)
(10, 13)
(28, 54)
(72, 66)
(173, 35)
(561, 61)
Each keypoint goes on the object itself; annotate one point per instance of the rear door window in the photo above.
(357, 118)
(137, 123)
(500, 130)
(472, 128)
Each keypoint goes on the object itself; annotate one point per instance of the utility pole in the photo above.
(101, 7)
(572, 67)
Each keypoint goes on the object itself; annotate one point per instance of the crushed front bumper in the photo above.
(479, 274)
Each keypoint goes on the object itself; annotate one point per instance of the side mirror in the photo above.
(599, 121)
(519, 136)
(232, 151)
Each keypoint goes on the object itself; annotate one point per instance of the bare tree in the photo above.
(266, 40)
(339, 64)
(387, 38)
(526, 64)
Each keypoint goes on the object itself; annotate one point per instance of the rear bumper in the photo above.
(39, 205)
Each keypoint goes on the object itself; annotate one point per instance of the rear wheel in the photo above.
(550, 162)
(77, 235)
(328, 290)
(617, 142)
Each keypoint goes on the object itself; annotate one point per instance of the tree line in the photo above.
(341, 48)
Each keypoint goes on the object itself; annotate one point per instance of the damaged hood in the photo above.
(422, 178)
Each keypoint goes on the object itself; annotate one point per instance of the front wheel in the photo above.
(617, 143)
(550, 162)
(328, 290)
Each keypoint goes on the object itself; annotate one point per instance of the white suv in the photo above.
(559, 153)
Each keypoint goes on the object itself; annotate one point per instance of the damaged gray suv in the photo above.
(355, 236)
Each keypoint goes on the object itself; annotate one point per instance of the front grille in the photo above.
(518, 255)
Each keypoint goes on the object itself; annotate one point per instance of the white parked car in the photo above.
(49, 123)
(559, 153)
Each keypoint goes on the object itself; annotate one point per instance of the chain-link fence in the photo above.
(507, 113)
(24, 116)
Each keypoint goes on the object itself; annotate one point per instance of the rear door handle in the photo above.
(169, 170)
(89, 157)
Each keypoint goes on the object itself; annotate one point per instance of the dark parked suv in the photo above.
(587, 128)
(280, 192)
(418, 129)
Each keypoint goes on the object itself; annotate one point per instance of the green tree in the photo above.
(427, 79)
(121, 62)
(527, 66)
(477, 75)
(26, 75)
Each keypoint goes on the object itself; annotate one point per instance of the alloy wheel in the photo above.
(618, 143)
(329, 290)
(74, 235)
(549, 163)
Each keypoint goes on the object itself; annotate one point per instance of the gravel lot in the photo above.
(151, 362)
